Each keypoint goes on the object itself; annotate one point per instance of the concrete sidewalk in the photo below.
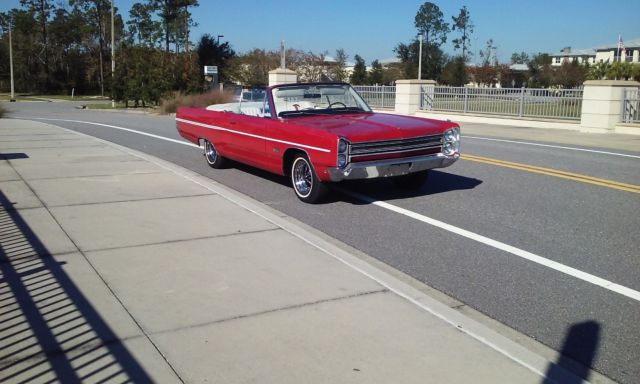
(118, 266)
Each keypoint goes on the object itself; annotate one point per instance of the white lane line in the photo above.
(576, 273)
(116, 127)
(552, 146)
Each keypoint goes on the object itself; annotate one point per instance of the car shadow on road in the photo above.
(578, 352)
(381, 189)
(385, 189)
(49, 331)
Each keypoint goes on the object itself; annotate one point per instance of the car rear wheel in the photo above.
(213, 157)
(411, 181)
(306, 185)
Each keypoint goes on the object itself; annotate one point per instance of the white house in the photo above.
(609, 52)
(568, 55)
(631, 52)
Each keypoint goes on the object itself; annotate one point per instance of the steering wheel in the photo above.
(337, 102)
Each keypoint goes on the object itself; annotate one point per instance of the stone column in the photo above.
(408, 95)
(602, 104)
(282, 76)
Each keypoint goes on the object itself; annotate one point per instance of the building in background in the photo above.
(604, 53)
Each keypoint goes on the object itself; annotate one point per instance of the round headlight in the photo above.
(449, 135)
(342, 160)
(448, 149)
(342, 146)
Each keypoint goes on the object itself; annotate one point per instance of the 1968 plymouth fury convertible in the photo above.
(320, 133)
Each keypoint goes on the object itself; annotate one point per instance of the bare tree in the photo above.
(462, 23)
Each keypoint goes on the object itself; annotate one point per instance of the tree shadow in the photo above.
(49, 331)
(578, 352)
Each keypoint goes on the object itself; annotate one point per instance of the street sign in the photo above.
(210, 70)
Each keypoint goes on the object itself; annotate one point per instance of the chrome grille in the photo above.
(395, 146)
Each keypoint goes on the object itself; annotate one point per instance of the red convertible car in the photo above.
(320, 133)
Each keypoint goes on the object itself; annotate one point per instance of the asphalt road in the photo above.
(590, 227)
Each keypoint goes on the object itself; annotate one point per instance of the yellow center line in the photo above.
(556, 173)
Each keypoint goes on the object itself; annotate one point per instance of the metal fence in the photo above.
(520, 102)
(378, 96)
(631, 106)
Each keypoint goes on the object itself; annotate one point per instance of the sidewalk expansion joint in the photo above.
(26, 134)
(183, 240)
(48, 139)
(52, 146)
(95, 174)
(131, 200)
(275, 310)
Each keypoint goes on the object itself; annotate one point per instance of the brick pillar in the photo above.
(408, 95)
(602, 104)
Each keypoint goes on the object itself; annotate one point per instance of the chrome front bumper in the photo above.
(391, 167)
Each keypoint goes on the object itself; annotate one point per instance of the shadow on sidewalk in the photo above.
(48, 330)
(578, 352)
(13, 156)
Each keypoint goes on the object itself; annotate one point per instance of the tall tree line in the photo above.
(60, 46)
(434, 30)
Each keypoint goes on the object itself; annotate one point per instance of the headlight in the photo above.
(342, 146)
(343, 152)
(449, 135)
(342, 160)
(451, 141)
(448, 149)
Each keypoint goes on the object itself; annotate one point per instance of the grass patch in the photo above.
(171, 104)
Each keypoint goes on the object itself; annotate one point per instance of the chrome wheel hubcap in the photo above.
(302, 177)
(210, 152)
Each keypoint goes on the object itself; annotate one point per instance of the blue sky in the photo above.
(373, 28)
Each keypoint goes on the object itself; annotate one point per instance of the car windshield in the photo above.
(317, 99)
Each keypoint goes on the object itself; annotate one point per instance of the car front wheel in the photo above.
(306, 185)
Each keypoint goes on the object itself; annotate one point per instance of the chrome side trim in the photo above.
(218, 128)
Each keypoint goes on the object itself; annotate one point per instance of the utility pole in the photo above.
(420, 58)
(13, 98)
(113, 59)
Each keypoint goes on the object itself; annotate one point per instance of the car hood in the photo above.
(374, 126)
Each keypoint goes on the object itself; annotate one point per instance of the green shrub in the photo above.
(171, 104)
(635, 72)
